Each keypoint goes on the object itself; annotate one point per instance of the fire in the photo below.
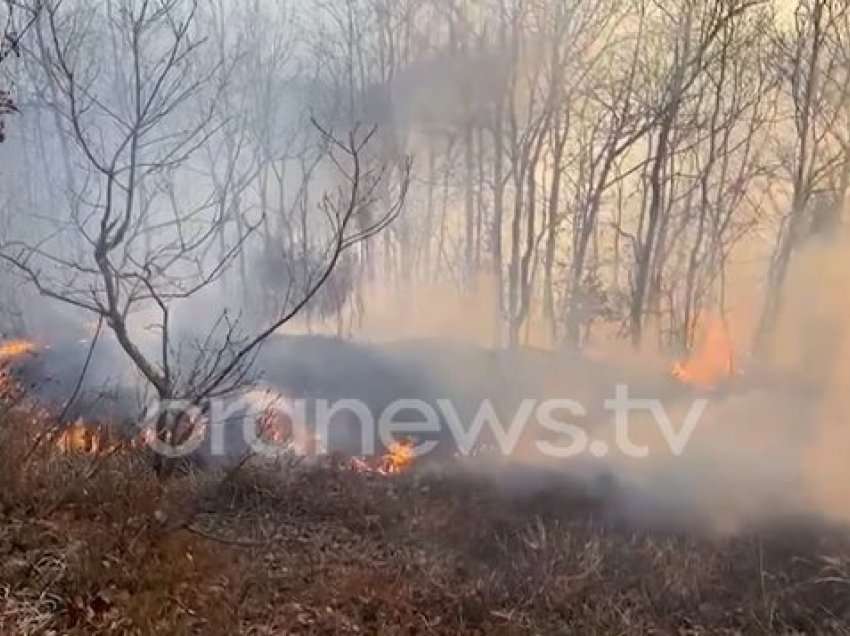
(85, 438)
(399, 457)
(12, 349)
(81, 437)
(275, 427)
(713, 360)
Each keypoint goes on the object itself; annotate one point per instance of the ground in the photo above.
(98, 545)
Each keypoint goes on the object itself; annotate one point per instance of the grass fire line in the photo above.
(98, 438)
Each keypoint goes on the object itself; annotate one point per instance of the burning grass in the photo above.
(713, 360)
(95, 544)
(13, 349)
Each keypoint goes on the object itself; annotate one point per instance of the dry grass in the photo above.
(327, 551)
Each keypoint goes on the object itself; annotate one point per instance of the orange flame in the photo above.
(399, 457)
(712, 361)
(84, 438)
(12, 349)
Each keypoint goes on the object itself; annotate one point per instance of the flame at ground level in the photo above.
(399, 457)
(713, 360)
(11, 349)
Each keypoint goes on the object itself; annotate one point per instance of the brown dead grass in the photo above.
(325, 550)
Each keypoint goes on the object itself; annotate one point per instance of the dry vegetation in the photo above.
(99, 545)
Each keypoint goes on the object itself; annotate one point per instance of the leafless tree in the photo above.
(17, 17)
(155, 234)
(812, 63)
(603, 164)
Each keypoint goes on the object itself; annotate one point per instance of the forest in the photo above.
(631, 166)
(251, 202)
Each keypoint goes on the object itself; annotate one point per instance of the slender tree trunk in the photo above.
(469, 203)
(647, 246)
